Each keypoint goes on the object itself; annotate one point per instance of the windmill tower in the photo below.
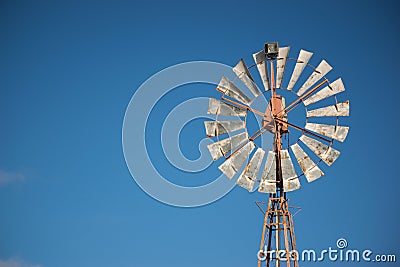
(278, 175)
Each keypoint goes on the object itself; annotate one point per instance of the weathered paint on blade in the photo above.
(243, 73)
(290, 180)
(232, 165)
(281, 64)
(217, 107)
(260, 60)
(230, 89)
(222, 147)
(340, 109)
(268, 176)
(301, 63)
(336, 132)
(250, 173)
(215, 128)
(309, 168)
(324, 152)
(322, 69)
(330, 90)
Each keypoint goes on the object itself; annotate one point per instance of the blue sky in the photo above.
(68, 72)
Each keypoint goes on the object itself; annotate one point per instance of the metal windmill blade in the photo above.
(242, 72)
(268, 176)
(281, 64)
(221, 148)
(250, 173)
(301, 63)
(216, 128)
(309, 168)
(290, 179)
(335, 132)
(260, 61)
(231, 166)
(326, 153)
(340, 109)
(217, 107)
(322, 69)
(229, 88)
(330, 90)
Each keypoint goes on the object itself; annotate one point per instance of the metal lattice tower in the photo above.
(278, 233)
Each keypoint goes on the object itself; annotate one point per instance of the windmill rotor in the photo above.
(301, 157)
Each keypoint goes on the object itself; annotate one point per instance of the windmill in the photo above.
(273, 171)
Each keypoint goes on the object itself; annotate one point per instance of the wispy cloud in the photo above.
(17, 263)
(9, 177)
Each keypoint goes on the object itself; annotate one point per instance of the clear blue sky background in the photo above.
(67, 72)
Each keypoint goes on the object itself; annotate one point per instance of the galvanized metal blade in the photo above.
(330, 90)
(301, 63)
(230, 89)
(290, 179)
(322, 69)
(324, 152)
(250, 172)
(222, 147)
(336, 132)
(268, 176)
(260, 60)
(215, 128)
(218, 107)
(232, 165)
(281, 64)
(244, 75)
(309, 168)
(340, 109)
